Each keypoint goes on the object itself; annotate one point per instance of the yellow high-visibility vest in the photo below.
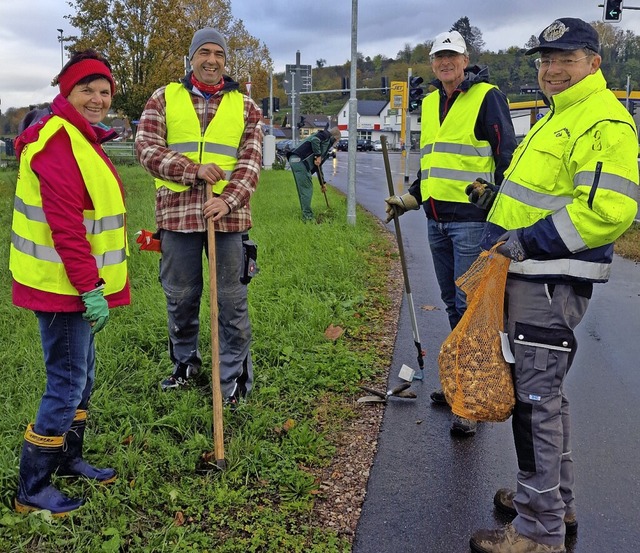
(33, 260)
(220, 141)
(451, 155)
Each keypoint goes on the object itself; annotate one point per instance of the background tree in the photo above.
(146, 42)
(472, 35)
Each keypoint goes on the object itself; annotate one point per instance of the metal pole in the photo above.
(294, 125)
(61, 48)
(271, 102)
(353, 117)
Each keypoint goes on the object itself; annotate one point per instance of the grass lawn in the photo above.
(311, 276)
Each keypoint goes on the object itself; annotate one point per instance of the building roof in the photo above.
(371, 107)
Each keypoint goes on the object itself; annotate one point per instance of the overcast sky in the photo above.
(30, 51)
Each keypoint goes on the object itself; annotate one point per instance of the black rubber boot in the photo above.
(39, 459)
(71, 461)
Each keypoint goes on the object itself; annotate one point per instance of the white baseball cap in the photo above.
(450, 41)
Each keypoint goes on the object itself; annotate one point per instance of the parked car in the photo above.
(364, 145)
(343, 145)
(284, 146)
(377, 146)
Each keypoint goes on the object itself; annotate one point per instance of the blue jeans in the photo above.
(454, 247)
(70, 361)
(182, 282)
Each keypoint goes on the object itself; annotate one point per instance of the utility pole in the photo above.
(353, 118)
(61, 48)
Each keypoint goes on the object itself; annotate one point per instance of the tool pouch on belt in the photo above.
(250, 265)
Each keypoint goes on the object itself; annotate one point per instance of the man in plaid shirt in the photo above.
(203, 132)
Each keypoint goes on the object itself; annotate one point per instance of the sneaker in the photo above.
(438, 398)
(507, 540)
(230, 402)
(179, 378)
(463, 427)
(503, 500)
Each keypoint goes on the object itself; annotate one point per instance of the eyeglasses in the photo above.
(560, 62)
(446, 55)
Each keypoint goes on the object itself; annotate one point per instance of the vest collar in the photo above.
(578, 92)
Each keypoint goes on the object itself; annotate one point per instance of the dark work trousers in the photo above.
(182, 282)
(540, 323)
(304, 185)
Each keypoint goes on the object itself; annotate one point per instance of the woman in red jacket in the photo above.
(68, 263)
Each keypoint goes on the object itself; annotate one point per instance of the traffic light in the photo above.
(632, 108)
(416, 93)
(302, 122)
(612, 10)
(276, 104)
(384, 84)
(265, 107)
(345, 86)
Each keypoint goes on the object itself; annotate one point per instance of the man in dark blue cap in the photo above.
(568, 194)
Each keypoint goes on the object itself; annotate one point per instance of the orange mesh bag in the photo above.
(475, 378)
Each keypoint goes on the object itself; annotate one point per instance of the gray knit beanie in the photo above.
(205, 35)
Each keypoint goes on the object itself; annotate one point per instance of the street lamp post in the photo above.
(61, 40)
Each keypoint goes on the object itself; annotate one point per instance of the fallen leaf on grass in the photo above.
(333, 332)
(178, 520)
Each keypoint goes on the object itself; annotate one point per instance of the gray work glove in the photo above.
(482, 193)
(397, 205)
(512, 247)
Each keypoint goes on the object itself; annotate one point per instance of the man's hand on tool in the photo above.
(210, 173)
(397, 205)
(512, 246)
(216, 208)
(482, 193)
(323, 188)
(317, 160)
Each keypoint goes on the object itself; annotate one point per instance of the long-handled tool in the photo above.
(323, 184)
(403, 261)
(217, 456)
(381, 397)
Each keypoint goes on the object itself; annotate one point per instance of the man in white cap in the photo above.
(196, 133)
(466, 133)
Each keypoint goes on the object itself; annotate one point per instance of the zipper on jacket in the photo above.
(594, 185)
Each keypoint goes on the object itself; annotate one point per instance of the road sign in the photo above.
(398, 94)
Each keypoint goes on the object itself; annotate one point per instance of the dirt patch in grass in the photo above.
(343, 484)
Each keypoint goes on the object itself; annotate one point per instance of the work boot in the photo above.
(503, 500)
(507, 540)
(179, 378)
(39, 459)
(438, 398)
(463, 427)
(72, 463)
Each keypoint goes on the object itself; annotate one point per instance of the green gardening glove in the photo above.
(97, 309)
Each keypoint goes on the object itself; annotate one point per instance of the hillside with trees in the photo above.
(144, 40)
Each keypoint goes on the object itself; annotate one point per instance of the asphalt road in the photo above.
(428, 491)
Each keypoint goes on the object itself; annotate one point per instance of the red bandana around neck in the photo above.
(206, 88)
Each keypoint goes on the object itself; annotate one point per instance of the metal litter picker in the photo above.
(405, 273)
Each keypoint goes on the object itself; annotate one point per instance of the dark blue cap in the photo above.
(567, 33)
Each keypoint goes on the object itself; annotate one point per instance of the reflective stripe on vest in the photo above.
(34, 261)
(451, 155)
(220, 141)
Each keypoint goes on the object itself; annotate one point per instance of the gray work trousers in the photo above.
(540, 323)
(182, 282)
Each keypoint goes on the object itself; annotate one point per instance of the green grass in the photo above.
(310, 276)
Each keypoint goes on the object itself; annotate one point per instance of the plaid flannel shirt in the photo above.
(182, 211)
